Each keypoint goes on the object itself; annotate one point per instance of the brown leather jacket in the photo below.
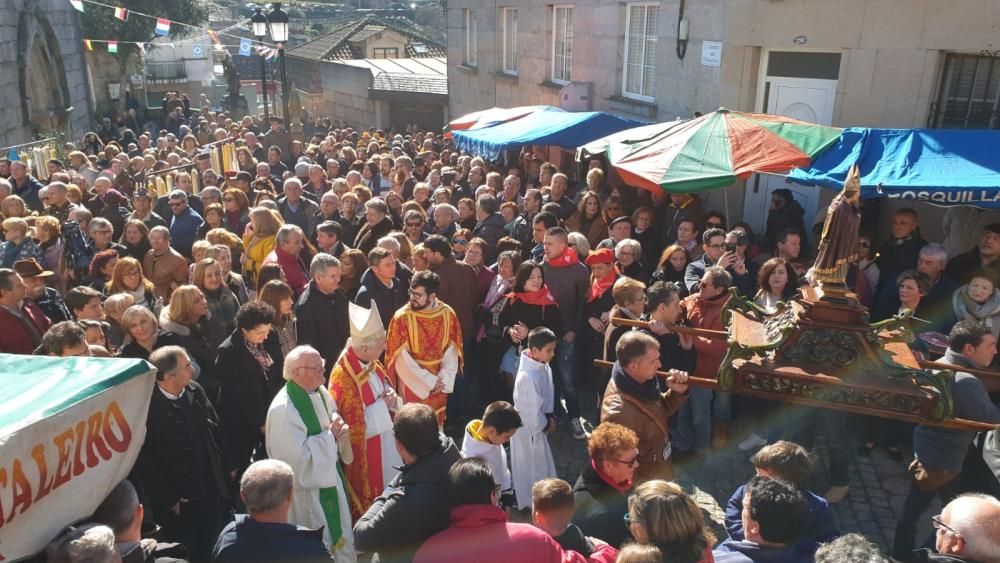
(648, 419)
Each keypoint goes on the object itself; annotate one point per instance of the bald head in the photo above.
(973, 531)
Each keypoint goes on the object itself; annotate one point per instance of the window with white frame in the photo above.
(562, 43)
(639, 65)
(470, 38)
(509, 63)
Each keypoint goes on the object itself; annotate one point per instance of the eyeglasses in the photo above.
(459, 241)
(717, 246)
(176, 204)
(713, 225)
(415, 293)
(939, 525)
(629, 462)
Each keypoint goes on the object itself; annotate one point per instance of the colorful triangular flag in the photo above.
(246, 47)
(112, 47)
(214, 36)
(121, 13)
(12, 155)
(77, 4)
(162, 26)
(197, 50)
(88, 44)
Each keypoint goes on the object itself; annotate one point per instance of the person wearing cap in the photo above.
(142, 203)
(359, 384)
(619, 230)
(47, 298)
(983, 256)
(240, 181)
(22, 323)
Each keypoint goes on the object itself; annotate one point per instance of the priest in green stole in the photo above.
(304, 430)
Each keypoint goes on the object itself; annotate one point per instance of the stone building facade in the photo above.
(44, 89)
(869, 63)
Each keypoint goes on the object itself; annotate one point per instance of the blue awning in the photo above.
(939, 166)
(550, 127)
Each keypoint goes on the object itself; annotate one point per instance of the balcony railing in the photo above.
(166, 71)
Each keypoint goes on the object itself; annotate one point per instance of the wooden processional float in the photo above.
(820, 350)
(824, 353)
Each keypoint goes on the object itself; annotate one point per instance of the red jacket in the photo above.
(295, 270)
(480, 533)
(707, 314)
(14, 335)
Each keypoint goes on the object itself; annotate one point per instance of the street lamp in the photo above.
(258, 24)
(277, 20)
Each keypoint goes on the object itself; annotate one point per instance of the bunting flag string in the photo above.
(163, 25)
(112, 47)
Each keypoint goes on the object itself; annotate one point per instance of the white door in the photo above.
(807, 99)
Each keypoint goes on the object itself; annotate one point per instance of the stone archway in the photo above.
(45, 98)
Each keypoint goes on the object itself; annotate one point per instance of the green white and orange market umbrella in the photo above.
(711, 151)
(491, 117)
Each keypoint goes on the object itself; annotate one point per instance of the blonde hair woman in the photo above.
(18, 245)
(660, 513)
(48, 232)
(259, 240)
(114, 307)
(188, 318)
(222, 302)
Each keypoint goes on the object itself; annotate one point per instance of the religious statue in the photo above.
(234, 101)
(838, 245)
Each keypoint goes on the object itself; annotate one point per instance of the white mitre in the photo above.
(366, 324)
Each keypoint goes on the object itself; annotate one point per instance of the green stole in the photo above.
(329, 497)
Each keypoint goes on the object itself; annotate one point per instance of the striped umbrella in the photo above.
(714, 150)
(492, 116)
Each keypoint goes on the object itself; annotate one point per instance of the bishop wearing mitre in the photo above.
(359, 385)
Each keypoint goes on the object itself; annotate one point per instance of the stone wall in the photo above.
(55, 25)
(345, 96)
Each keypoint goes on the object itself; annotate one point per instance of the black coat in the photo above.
(896, 256)
(247, 391)
(533, 316)
(600, 508)
(491, 230)
(388, 300)
(321, 321)
(184, 454)
(367, 237)
(245, 539)
(413, 508)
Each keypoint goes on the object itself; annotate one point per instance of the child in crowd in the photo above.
(790, 462)
(640, 553)
(485, 438)
(530, 455)
(552, 510)
(979, 300)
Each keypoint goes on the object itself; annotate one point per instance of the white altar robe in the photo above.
(314, 461)
(530, 455)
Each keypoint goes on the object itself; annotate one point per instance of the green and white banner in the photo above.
(70, 430)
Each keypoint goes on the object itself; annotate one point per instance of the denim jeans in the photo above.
(694, 421)
(722, 406)
(566, 366)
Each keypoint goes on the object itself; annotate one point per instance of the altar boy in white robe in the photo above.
(530, 455)
(304, 430)
(485, 439)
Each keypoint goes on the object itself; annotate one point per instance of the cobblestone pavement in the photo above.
(878, 485)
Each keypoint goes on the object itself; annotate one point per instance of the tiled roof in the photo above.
(401, 82)
(337, 45)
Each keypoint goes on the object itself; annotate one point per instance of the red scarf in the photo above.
(598, 287)
(541, 297)
(567, 258)
(623, 487)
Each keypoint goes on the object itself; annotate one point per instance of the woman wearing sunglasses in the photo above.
(601, 492)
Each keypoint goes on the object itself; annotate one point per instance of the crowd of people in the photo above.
(317, 317)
